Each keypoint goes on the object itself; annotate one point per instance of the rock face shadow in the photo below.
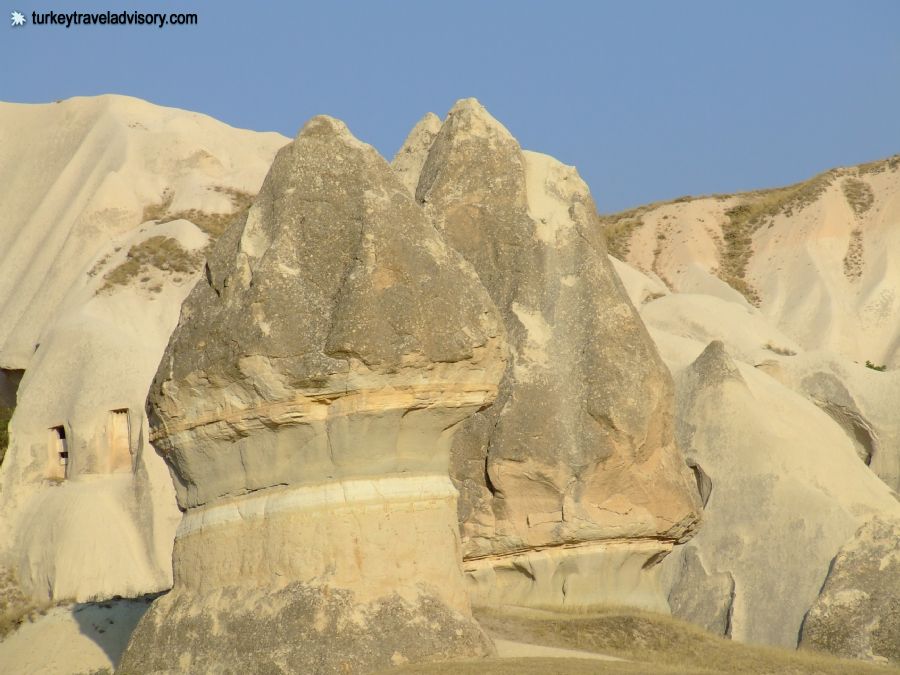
(110, 624)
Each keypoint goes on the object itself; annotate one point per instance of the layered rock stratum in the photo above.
(306, 405)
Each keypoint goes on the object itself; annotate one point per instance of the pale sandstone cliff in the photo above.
(78, 173)
(785, 478)
(819, 258)
(97, 256)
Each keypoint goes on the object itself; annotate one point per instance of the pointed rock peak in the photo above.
(430, 124)
(473, 153)
(324, 127)
(468, 115)
(411, 156)
(715, 366)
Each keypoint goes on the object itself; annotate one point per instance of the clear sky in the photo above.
(650, 100)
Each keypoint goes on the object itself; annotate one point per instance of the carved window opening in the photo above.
(58, 468)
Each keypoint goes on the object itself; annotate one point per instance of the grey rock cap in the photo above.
(306, 404)
(334, 283)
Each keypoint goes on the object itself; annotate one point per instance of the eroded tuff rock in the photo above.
(306, 406)
(572, 482)
(700, 597)
(857, 615)
(409, 159)
(786, 491)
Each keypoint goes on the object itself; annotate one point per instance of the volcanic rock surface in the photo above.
(575, 469)
(306, 405)
(857, 615)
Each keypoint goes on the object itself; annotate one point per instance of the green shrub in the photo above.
(880, 368)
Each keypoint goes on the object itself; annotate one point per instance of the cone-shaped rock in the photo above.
(579, 448)
(409, 159)
(785, 490)
(306, 404)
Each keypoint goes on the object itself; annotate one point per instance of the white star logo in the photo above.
(17, 19)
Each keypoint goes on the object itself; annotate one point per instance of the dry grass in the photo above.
(162, 253)
(15, 607)
(651, 643)
(859, 194)
(853, 259)
(753, 211)
(618, 233)
(213, 224)
(782, 351)
(891, 163)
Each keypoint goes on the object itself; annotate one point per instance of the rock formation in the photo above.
(821, 259)
(857, 614)
(571, 485)
(306, 406)
(112, 163)
(780, 483)
(94, 273)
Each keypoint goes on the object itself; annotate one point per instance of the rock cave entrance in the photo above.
(9, 385)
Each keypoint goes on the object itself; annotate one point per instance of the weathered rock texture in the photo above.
(786, 490)
(92, 283)
(706, 599)
(409, 159)
(306, 406)
(571, 484)
(857, 615)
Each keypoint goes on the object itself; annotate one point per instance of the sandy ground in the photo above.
(79, 638)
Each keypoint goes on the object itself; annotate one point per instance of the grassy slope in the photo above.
(652, 643)
(752, 211)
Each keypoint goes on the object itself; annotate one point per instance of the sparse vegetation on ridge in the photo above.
(853, 259)
(859, 194)
(891, 163)
(212, 224)
(162, 253)
(618, 231)
(753, 211)
(872, 366)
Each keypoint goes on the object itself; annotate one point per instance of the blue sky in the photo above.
(650, 100)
